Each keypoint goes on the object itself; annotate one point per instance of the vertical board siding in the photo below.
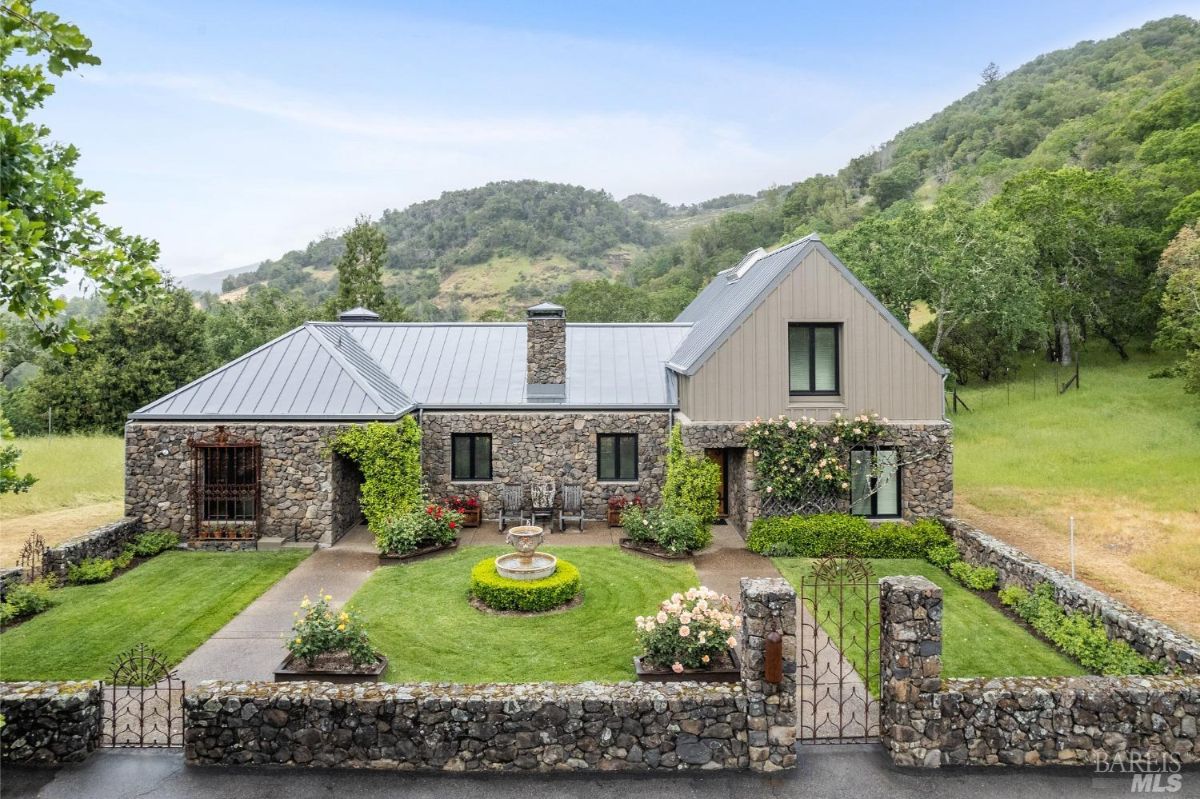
(880, 371)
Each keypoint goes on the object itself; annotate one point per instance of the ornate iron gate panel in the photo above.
(142, 706)
(33, 558)
(838, 679)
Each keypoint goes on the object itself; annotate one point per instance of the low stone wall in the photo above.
(103, 542)
(48, 723)
(1024, 721)
(10, 576)
(521, 728)
(1150, 637)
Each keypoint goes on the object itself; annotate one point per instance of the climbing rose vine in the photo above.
(799, 460)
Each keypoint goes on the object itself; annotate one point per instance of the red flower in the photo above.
(452, 525)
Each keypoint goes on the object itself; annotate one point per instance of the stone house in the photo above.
(243, 452)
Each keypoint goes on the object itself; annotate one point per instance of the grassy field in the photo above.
(1121, 455)
(419, 617)
(977, 639)
(80, 486)
(173, 603)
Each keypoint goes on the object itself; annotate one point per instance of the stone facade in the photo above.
(532, 445)
(515, 728)
(546, 345)
(1148, 636)
(103, 542)
(1022, 721)
(926, 480)
(297, 480)
(49, 723)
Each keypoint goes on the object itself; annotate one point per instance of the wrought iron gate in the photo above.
(142, 705)
(838, 679)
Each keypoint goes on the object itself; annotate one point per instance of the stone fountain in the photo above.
(526, 563)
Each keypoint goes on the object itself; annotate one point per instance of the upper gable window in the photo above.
(813, 359)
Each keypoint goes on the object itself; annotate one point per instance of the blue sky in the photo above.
(232, 132)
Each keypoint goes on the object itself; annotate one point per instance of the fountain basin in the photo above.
(534, 566)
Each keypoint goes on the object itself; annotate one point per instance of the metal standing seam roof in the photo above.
(728, 300)
(358, 371)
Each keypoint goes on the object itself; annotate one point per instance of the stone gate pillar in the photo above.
(910, 672)
(769, 605)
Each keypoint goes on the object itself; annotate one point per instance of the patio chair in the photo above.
(572, 508)
(542, 496)
(512, 499)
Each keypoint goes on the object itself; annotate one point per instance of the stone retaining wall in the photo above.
(48, 723)
(518, 728)
(1021, 721)
(103, 542)
(1150, 637)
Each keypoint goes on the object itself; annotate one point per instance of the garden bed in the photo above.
(653, 549)
(386, 558)
(727, 668)
(335, 667)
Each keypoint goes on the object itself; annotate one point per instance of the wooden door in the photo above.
(721, 458)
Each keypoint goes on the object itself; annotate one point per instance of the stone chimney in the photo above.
(546, 353)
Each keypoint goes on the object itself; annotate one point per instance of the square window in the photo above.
(471, 456)
(813, 359)
(617, 456)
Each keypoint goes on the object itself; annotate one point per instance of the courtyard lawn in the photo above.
(977, 639)
(173, 603)
(418, 615)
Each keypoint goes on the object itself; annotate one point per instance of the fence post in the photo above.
(769, 606)
(910, 670)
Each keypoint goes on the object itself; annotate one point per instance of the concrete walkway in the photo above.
(250, 646)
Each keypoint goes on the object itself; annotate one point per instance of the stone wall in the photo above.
(48, 723)
(1022, 721)
(926, 482)
(515, 728)
(297, 479)
(103, 542)
(1148, 636)
(10, 575)
(347, 495)
(527, 446)
(546, 346)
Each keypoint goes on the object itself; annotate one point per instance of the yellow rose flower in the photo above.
(341, 627)
(328, 597)
(299, 641)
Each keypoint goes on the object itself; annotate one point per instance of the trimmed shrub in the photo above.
(1077, 634)
(674, 532)
(433, 525)
(693, 484)
(531, 596)
(123, 560)
(90, 570)
(978, 578)
(147, 545)
(26, 599)
(943, 556)
(827, 534)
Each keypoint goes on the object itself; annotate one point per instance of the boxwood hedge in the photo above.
(531, 596)
(841, 534)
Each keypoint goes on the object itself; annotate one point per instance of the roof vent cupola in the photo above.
(359, 314)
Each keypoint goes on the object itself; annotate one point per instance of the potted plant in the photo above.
(329, 645)
(420, 532)
(690, 637)
(468, 507)
(617, 504)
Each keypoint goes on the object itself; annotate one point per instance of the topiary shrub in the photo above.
(978, 578)
(530, 596)
(90, 570)
(389, 457)
(26, 599)
(693, 483)
(147, 545)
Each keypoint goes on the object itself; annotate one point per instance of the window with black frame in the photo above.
(230, 483)
(471, 456)
(813, 367)
(875, 482)
(617, 457)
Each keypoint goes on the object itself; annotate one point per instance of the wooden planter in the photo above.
(653, 550)
(471, 517)
(392, 557)
(614, 517)
(729, 672)
(291, 671)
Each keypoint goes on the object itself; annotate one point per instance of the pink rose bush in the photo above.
(688, 630)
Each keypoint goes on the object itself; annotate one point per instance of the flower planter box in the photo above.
(394, 557)
(729, 671)
(291, 670)
(653, 550)
(470, 517)
(614, 518)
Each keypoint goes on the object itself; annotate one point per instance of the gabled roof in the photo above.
(733, 294)
(303, 374)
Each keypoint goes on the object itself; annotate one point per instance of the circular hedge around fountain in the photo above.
(529, 596)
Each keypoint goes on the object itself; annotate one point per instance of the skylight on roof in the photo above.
(744, 265)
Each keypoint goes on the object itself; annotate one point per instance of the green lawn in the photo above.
(418, 615)
(977, 639)
(71, 470)
(173, 603)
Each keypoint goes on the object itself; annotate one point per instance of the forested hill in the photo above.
(1126, 106)
(533, 238)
